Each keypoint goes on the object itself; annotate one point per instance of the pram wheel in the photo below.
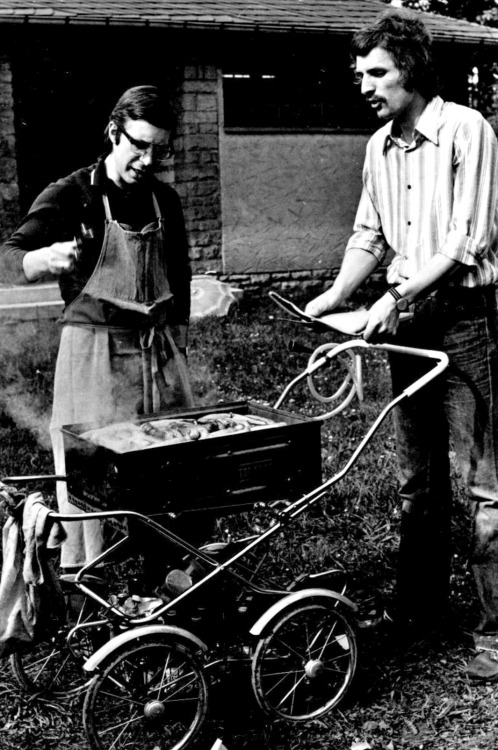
(151, 695)
(305, 663)
(55, 663)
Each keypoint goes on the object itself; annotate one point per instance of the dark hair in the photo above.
(144, 103)
(408, 42)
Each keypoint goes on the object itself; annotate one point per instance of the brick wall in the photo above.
(197, 165)
(299, 284)
(9, 191)
(289, 282)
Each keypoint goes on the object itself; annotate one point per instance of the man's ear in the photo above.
(114, 134)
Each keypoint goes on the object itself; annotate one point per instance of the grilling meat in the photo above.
(127, 436)
(174, 429)
(120, 437)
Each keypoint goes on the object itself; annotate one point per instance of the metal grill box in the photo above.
(221, 473)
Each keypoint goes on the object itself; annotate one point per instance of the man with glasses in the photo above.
(114, 237)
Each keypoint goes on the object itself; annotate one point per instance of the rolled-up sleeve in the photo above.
(473, 226)
(367, 231)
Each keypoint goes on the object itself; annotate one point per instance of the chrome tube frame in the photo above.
(281, 518)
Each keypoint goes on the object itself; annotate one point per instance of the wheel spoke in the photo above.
(153, 695)
(54, 665)
(291, 691)
(305, 663)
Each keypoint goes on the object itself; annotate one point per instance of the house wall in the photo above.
(269, 207)
(289, 201)
(9, 185)
(197, 164)
(55, 105)
(258, 204)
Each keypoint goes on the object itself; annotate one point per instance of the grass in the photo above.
(406, 696)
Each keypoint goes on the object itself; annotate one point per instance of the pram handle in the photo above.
(353, 378)
(440, 358)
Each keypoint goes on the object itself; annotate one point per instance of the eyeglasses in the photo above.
(142, 148)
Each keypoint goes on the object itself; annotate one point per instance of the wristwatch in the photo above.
(402, 304)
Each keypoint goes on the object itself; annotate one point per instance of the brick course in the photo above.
(197, 170)
(9, 190)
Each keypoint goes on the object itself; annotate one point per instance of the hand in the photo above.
(55, 259)
(383, 318)
(61, 257)
(322, 304)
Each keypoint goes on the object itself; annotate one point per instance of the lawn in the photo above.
(406, 695)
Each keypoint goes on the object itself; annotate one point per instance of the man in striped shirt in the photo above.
(430, 191)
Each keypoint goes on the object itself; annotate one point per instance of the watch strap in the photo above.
(392, 290)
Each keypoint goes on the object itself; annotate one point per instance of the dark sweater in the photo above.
(60, 211)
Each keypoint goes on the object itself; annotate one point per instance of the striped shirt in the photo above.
(437, 195)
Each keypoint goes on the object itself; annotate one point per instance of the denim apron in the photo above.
(105, 373)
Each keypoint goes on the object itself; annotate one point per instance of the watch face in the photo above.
(402, 305)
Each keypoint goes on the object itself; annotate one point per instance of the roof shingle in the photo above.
(332, 16)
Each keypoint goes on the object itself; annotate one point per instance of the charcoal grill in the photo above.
(225, 473)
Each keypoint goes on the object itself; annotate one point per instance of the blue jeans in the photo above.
(459, 409)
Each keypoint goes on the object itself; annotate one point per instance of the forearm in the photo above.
(383, 315)
(357, 265)
(54, 260)
(43, 243)
(35, 264)
(437, 271)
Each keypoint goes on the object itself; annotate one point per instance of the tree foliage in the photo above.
(480, 11)
(482, 89)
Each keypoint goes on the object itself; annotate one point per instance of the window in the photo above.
(297, 97)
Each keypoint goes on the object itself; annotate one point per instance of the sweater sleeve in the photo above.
(49, 220)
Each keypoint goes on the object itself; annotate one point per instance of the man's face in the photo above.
(139, 150)
(382, 84)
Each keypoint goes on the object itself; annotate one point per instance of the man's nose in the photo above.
(146, 158)
(367, 85)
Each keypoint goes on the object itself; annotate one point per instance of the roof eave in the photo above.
(200, 25)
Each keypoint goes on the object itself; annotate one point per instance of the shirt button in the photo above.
(409, 223)
(409, 187)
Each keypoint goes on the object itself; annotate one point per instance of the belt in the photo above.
(466, 294)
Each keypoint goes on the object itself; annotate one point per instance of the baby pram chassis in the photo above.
(146, 673)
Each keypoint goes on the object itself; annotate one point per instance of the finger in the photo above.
(76, 249)
(311, 309)
(368, 333)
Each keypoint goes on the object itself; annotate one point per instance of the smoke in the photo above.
(28, 352)
(26, 414)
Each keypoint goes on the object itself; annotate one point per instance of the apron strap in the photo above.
(159, 215)
(107, 207)
(153, 342)
(146, 339)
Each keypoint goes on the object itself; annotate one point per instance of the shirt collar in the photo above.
(427, 126)
(98, 175)
(101, 182)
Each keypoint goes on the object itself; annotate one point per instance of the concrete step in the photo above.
(30, 302)
(209, 296)
(29, 293)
